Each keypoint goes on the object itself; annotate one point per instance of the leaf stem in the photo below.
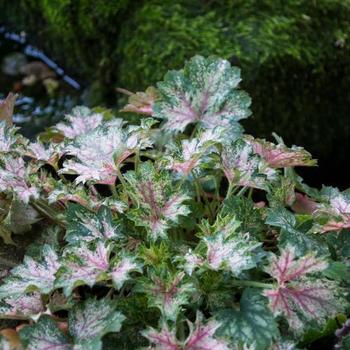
(244, 283)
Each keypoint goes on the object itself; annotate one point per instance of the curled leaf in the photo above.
(6, 108)
(140, 102)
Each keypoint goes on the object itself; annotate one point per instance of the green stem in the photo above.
(120, 177)
(113, 190)
(46, 211)
(244, 283)
(243, 189)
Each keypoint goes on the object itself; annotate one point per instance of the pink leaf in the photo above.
(202, 337)
(120, 273)
(140, 102)
(81, 121)
(298, 296)
(14, 177)
(304, 204)
(163, 340)
(280, 156)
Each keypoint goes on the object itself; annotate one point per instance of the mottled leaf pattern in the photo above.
(14, 177)
(242, 168)
(90, 321)
(201, 337)
(204, 92)
(298, 296)
(167, 223)
(87, 324)
(28, 305)
(32, 274)
(168, 294)
(250, 324)
(98, 153)
(83, 225)
(44, 335)
(83, 266)
(280, 156)
(81, 121)
(158, 206)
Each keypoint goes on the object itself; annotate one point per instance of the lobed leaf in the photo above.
(204, 92)
(251, 324)
(32, 275)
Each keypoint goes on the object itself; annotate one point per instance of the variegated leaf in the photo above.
(280, 156)
(98, 153)
(167, 294)
(29, 304)
(44, 335)
(204, 92)
(242, 168)
(250, 324)
(164, 339)
(91, 320)
(83, 266)
(121, 270)
(201, 337)
(32, 275)
(14, 177)
(83, 225)
(81, 121)
(185, 157)
(9, 140)
(237, 253)
(299, 296)
(159, 206)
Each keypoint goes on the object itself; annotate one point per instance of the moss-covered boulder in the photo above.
(294, 56)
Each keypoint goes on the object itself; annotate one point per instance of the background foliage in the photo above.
(294, 56)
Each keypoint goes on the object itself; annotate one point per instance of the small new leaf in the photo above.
(159, 206)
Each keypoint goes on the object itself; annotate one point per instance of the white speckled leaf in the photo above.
(32, 275)
(83, 266)
(83, 225)
(252, 324)
(205, 91)
(44, 335)
(90, 321)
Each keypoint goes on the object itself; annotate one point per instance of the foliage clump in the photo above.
(178, 232)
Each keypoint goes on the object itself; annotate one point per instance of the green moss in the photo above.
(294, 54)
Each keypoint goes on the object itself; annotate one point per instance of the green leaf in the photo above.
(91, 320)
(252, 323)
(83, 225)
(337, 271)
(44, 335)
(204, 92)
(281, 217)
(244, 211)
(88, 322)
(292, 234)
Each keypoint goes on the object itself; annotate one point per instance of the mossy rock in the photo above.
(294, 56)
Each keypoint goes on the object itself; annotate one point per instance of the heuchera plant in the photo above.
(177, 233)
